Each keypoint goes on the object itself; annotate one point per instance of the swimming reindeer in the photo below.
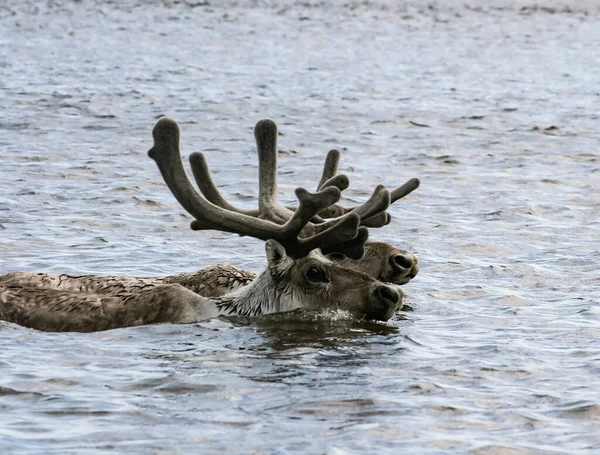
(298, 275)
(380, 260)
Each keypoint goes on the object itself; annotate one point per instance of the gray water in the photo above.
(494, 106)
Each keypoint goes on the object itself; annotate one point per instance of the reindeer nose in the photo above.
(388, 300)
(388, 295)
(402, 261)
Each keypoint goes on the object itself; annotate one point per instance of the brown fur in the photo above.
(73, 311)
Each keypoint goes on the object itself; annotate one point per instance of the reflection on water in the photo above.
(302, 328)
(493, 108)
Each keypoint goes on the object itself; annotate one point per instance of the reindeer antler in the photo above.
(269, 207)
(336, 210)
(343, 234)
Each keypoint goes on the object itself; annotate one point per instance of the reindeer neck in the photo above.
(262, 296)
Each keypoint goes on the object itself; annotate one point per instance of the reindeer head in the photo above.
(314, 282)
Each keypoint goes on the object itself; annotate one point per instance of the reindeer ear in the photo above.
(277, 259)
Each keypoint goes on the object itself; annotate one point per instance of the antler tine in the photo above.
(405, 189)
(384, 218)
(265, 133)
(373, 220)
(377, 203)
(377, 221)
(310, 205)
(269, 208)
(207, 186)
(373, 212)
(373, 208)
(329, 177)
(329, 168)
(340, 181)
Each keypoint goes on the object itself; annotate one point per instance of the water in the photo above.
(502, 352)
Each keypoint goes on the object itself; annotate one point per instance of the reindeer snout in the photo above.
(388, 295)
(402, 261)
(387, 302)
(403, 267)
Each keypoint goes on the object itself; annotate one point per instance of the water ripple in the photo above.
(492, 105)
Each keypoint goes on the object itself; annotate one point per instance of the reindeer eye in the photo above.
(336, 256)
(316, 275)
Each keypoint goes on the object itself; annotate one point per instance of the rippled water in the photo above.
(493, 107)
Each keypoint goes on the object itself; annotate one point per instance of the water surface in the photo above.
(493, 107)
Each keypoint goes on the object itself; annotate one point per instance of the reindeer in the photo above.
(381, 260)
(298, 275)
